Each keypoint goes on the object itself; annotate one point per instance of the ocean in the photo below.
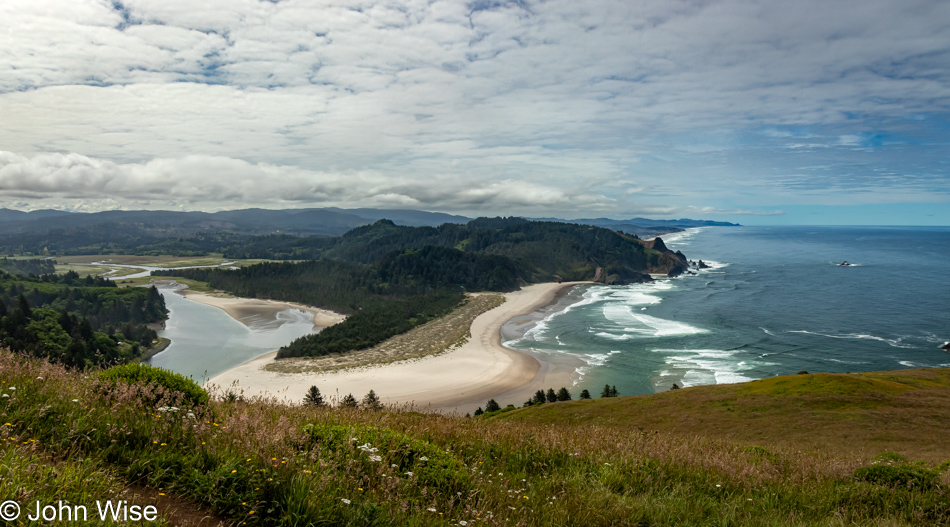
(775, 301)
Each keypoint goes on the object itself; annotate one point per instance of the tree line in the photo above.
(79, 322)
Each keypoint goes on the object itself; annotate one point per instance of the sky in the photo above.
(758, 112)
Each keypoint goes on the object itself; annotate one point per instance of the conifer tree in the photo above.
(585, 394)
(479, 411)
(492, 406)
(563, 394)
(551, 396)
(371, 401)
(313, 397)
(349, 401)
(606, 392)
(539, 397)
(613, 391)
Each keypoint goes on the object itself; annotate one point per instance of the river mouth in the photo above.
(206, 341)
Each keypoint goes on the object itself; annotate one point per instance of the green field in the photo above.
(690, 457)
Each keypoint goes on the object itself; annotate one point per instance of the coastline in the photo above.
(459, 380)
(257, 313)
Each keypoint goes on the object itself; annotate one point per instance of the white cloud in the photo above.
(576, 98)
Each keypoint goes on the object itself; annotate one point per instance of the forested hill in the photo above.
(75, 321)
(391, 278)
(542, 251)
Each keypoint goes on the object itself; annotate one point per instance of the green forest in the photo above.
(79, 322)
(28, 266)
(541, 251)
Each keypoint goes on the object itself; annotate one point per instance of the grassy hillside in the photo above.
(904, 411)
(260, 463)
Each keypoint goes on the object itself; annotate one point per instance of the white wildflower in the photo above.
(500, 474)
(409, 474)
(717, 486)
(6, 396)
(13, 388)
(430, 509)
(346, 501)
(40, 378)
(423, 458)
(375, 458)
(463, 523)
(191, 416)
(393, 465)
(75, 400)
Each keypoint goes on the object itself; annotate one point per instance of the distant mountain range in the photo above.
(325, 221)
(53, 232)
(300, 222)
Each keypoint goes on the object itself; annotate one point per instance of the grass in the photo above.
(904, 411)
(431, 338)
(260, 463)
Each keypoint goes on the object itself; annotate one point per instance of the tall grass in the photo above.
(262, 463)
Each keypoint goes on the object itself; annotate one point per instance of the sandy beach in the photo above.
(458, 381)
(261, 314)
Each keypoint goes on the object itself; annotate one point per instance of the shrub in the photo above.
(144, 374)
(898, 476)
(492, 406)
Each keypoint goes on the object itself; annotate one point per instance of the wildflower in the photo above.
(423, 458)
(40, 378)
(5, 395)
(161, 493)
(13, 388)
(191, 416)
(346, 501)
(7, 424)
(500, 474)
(393, 465)
(233, 471)
(375, 458)
(75, 400)
(430, 509)
(409, 474)
(717, 486)
(463, 523)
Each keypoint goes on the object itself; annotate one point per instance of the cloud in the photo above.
(452, 104)
(220, 182)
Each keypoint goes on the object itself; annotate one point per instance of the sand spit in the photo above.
(459, 380)
(261, 314)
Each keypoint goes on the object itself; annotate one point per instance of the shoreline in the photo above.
(256, 313)
(459, 380)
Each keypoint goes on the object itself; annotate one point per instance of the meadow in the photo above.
(256, 462)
